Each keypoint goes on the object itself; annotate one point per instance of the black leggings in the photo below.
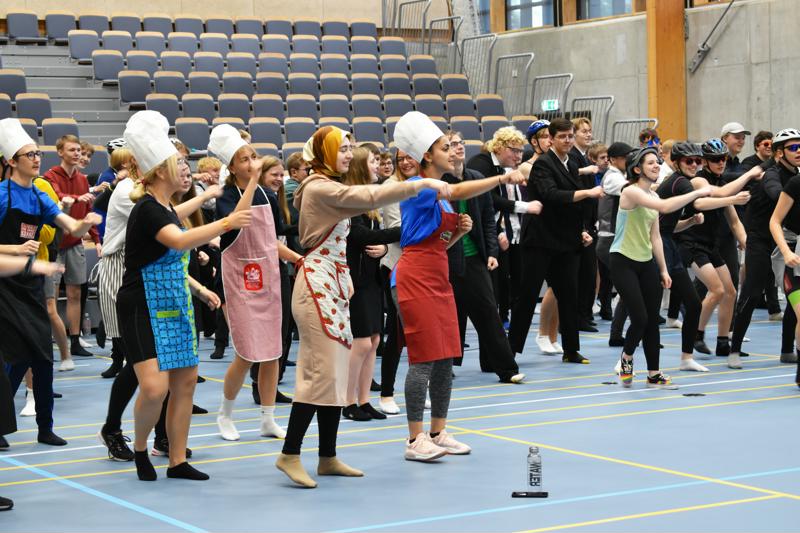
(639, 286)
(299, 420)
(392, 348)
(758, 269)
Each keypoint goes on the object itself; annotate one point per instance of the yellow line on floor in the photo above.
(650, 514)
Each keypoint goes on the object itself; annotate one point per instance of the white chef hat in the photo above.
(414, 134)
(147, 136)
(12, 137)
(224, 142)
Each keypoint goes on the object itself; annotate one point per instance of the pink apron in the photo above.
(252, 283)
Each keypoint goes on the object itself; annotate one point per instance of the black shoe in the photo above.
(290, 363)
(197, 410)
(161, 448)
(79, 351)
(591, 322)
(700, 346)
(100, 334)
(112, 371)
(353, 412)
(372, 412)
(256, 394)
(585, 325)
(117, 446)
(57, 395)
(616, 342)
(375, 387)
(723, 349)
(606, 315)
(50, 438)
(797, 376)
(282, 398)
(661, 320)
(218, 353)
(3, 443)
(574, 358)
(6, 504)
(201, 379)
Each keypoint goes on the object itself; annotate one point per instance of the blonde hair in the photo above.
(504, 137)
(119, 157)
(208, 163)
(595, 150)
(666, 147)
(581, 121)
(231, 178)
(142, 182)
(358, 173)
(268, 163)
(245, 135)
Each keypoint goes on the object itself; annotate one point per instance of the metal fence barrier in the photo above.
(476, 61)
(514, 70)
(549, 95)
(627, 131)
(595, 108)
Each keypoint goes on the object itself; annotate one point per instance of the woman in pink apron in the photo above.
(424, 294)
(320, 300)
(251, 281)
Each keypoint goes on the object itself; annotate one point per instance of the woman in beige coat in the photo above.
(321, 295)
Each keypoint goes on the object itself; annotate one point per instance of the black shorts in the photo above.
(701, 254)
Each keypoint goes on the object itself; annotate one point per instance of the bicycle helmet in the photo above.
(714, 148)
(636, 158)
(685, 149)
(788, 134)
(534, 128)
(113, 144)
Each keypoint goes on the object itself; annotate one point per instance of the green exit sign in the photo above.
(549, 105)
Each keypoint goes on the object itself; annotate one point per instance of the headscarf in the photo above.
(322, 149)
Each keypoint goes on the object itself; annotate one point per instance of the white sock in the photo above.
(226, 409)
(227, 429)
(690, 365)
(270, 428)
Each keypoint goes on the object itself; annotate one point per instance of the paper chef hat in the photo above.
(12, 137)
(224, 142)
(147, 136)
(415, 133)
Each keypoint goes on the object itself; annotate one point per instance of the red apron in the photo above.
(425, 296)
(252, 284)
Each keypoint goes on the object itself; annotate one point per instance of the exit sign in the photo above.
(549, 105)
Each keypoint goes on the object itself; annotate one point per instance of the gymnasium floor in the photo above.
(723, 458)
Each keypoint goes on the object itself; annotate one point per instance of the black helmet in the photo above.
(636, 157)
(714, 148)
(685, 149)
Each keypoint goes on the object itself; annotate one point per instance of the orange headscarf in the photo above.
(322, 149)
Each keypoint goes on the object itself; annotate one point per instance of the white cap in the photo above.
(414, 134)
(224, 142)
(147, 136)
(12, 137)
(733, 127)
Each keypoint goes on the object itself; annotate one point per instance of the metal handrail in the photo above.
(402, 6)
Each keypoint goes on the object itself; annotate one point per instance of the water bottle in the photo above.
(87, 324)
(534, 469)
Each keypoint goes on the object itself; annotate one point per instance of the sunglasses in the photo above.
(790, 147)
(693, 161)
(654, 142)
(717, 159)
(766, 144)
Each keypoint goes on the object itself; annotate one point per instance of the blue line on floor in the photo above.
(107, 497)
(559, 502)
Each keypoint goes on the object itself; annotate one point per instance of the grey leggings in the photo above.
(439, 374)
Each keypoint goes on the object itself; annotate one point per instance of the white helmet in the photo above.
(782, 136)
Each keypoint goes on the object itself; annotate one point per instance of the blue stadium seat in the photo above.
(269, 105)
(198, 106)
(189, 24)
(166, 104)
(266, 130)
(58, 24)
(170, 82)
(157, 22)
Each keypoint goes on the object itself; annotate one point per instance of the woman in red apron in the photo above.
(251, 281)
(424, 294)
(320, 301)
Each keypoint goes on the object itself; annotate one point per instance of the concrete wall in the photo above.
(750, 75)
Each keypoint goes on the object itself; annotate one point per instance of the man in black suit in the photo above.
(470, 260)
(552, 241)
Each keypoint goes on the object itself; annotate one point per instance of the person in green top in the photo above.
(637, 264)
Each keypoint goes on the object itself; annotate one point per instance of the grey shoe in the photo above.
(790, 358)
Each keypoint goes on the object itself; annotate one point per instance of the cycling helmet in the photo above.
(685, 149)
(534, 128)
(113, 144)
(789, 134)
(714, 148)
(636, 157)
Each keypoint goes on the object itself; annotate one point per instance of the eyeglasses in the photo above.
(790, 147)
(766, 144)
(405, 159)
(693, 161)
(33, 154)
(457, 144)
(717, 159)
(516, 151)
(182, 162)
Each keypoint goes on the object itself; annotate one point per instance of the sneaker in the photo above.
(545, 346)
(218, 353)
(734, 361)
(388, 406)
(626, 371)
(776, 317)
(6, 504)
(116, 443)
(690, 365)
(517, 378)
(574, 358)
(557, 347)
(674, 323)
(789, 358)
(354, 412)
(227, 429)
(423, 449)
(30, 405)
(161, 449)
(453, 447)
(660, 381)
(66, 365)
(618, 368)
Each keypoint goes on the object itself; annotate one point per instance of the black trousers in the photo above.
(507, 279)
(475, 299)
(758, 274)
(639, 286)
(560, 270)
(587, 281)
(8, 415)
(42, 388)
(299, 420)
(390, 357)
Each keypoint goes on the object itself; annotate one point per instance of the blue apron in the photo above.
(169, 301)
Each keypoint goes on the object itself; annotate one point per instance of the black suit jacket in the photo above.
(561, 221)
(483, 164)
(590, 205)
(483, 232)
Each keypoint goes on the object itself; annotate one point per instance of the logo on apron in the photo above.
(27, 231)
(253, 278)
(446, 236)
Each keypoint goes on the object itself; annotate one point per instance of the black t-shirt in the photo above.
(709, 231)
(231, 194)
(141, 247)
(674, 185)
(792, 220)
(764, 196)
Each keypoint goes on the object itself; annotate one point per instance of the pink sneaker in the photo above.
(423, 449)
(453, 447)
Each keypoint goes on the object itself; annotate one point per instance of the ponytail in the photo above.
(142, 182)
